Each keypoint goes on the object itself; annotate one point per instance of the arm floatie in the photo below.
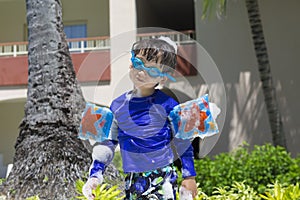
(95, 123)
(194, 119)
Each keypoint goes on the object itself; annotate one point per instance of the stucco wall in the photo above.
(94, 13)
(12, 112)
(12, 21)
(229, 43)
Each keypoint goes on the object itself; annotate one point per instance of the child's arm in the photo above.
(185, 151)
(103, 153)
(189, 184)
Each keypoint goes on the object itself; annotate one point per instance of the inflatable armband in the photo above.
(193, 119)
(95, 123)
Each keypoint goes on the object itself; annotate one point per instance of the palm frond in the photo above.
(212, 8)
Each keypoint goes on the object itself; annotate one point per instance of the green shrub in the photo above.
(279, 191)
(1, 181)
(257, 168)
(293, 175)
(235, 192)
(117, 162)
(33, 198)
(241, 191)
(102, 192)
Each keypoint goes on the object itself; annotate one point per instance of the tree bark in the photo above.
(264, 68)
(49, 157)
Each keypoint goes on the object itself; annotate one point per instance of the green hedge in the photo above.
(240, 191)
(257, 168)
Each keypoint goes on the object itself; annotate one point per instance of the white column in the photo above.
(123, 35)
(8, 94)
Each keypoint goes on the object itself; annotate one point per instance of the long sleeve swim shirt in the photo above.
(142, 129)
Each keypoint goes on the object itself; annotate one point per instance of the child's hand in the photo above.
(189, 183)
(90, 185)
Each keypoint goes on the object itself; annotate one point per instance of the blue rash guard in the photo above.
(142, 129)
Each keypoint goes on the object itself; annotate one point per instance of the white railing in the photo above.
(13, 49)
(184, 37)
(88, 44)
(95, 43)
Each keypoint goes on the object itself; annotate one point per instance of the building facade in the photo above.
(100, 34)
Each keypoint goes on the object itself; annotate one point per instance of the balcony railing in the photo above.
(96, 43)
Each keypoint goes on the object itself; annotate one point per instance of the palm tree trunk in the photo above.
(49, 157)
(265, 73)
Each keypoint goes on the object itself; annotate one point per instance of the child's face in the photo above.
(140, 78)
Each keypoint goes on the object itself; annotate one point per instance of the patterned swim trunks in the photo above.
(159, 184)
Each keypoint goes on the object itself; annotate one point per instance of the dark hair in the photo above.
(152, 49)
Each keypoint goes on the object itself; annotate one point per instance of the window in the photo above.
(75, 31)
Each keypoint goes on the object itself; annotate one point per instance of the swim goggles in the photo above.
(152, 71)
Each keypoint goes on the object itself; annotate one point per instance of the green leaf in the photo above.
(79, 184)
(209, 7)
(33, 198)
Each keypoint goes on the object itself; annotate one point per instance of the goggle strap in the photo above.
(170, 77)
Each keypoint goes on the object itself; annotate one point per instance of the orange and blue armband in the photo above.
(95, 123)
(193, 119)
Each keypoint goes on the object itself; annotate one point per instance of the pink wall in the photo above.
(89, 66)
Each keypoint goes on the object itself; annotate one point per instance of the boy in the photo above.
(142, 130)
